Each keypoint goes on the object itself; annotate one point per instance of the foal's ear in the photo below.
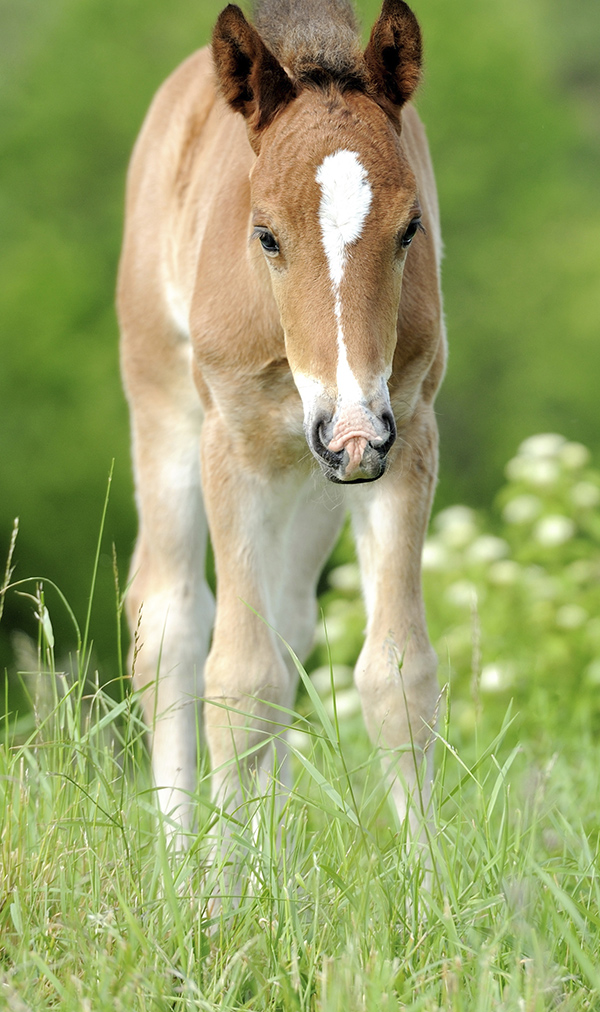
(394, 53)
(251, 79)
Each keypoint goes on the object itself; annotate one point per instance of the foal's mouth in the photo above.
(354, 459)
(371, 467)
(352, 480)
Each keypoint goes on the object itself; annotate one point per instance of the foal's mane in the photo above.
(316, 40)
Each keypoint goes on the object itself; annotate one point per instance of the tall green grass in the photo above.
(338, 915)
(97, 915)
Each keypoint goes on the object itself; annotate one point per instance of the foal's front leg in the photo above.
(396, 671)
(245, 672)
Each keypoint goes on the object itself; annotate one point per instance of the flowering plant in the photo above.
(513, 596)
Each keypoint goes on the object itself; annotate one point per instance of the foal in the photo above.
(282, 344)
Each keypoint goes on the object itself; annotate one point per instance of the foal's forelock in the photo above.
(314, 39)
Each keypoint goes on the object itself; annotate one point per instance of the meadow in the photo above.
(498, 909)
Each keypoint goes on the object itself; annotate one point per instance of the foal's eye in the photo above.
(411, 231)
(267, 240)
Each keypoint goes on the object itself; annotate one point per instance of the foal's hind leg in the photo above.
(169, 605)
(396, 671)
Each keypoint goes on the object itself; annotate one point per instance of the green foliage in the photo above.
(513, 143)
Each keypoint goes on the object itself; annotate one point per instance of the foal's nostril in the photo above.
(317, 434)
(388, 420)
(320, 437)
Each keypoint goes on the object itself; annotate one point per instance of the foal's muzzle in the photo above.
(337, 465)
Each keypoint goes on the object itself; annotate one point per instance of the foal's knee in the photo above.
(241, 713)
(399, 692)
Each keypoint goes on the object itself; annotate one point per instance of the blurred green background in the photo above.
(511, 103)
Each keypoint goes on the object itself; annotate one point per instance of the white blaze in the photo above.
(346, 197)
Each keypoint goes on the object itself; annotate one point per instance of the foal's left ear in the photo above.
(394, 53)
(252, 80)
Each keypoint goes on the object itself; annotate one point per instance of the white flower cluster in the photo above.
(549, 463)
(455, 528)
(496, 677)
(541, 459)
(524, 605)
(457, 537)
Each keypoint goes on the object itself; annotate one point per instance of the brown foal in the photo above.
(282, 345)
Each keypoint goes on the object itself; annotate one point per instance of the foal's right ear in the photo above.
(251, 79)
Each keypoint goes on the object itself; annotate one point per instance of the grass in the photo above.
(96, 914)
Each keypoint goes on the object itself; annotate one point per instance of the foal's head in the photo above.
(334, 208)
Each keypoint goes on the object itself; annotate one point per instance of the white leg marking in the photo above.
(179, 311)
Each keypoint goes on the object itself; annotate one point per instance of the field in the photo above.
(334, 909)
(498, 909)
